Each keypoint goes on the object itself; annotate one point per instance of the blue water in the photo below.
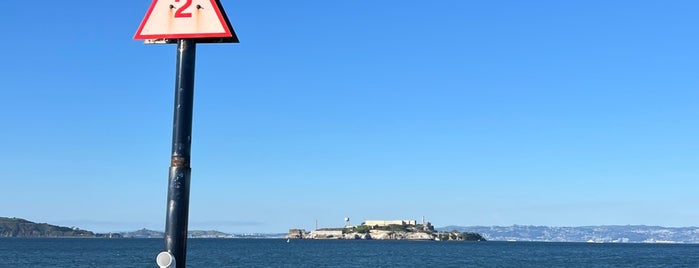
(342, 253)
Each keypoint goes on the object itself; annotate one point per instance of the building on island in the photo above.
(426, 226)
(327, 233)
(384, 223)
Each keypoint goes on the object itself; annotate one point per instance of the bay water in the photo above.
(67, 252)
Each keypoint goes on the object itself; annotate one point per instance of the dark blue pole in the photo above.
(180, 170)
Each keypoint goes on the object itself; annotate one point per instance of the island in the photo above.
(386, 230)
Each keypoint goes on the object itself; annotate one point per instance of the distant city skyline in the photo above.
(465, 112)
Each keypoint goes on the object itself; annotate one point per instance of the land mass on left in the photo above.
(16, 227)
(21, 228)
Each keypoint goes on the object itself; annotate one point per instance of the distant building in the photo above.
(327, 233)
(383, 223)
(427, 226)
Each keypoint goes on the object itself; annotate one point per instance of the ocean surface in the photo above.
(60, 252)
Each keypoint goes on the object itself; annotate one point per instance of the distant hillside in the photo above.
(597, 234)
(145, 233)
(15, 227)
(208, 234)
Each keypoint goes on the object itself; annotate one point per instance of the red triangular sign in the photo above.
(186, 19)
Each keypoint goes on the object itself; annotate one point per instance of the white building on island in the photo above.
(383, 223)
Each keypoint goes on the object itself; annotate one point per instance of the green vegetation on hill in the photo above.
(15, 227)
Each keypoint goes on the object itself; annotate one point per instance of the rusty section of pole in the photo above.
(179, 178)
(178, 161)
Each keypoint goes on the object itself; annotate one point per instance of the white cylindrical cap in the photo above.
(165, 260)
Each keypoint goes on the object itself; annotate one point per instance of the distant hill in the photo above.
(597, 234)
(15, 227)
(145, 233)
(208, 234)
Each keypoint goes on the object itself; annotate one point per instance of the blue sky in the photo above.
(561, 113)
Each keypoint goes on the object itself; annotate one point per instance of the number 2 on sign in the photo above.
(180, 11)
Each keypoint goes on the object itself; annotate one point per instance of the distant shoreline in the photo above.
(641, 234)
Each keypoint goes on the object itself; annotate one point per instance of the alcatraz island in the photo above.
(385, 230)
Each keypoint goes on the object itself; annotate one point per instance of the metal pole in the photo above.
(178, 183)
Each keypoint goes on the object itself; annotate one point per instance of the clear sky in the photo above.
(560, 113)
